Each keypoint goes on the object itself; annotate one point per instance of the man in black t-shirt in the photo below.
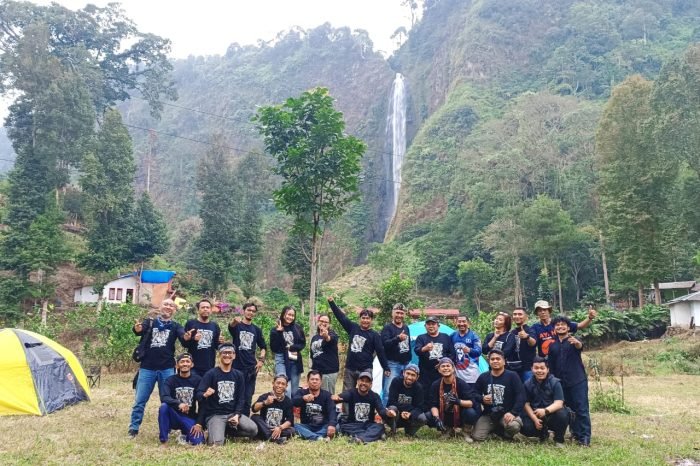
(205, 338)
(179, 405)
(454, 405)
(405, 408)
(318, 414)
(396, 338)
(363, 405)
(247, 338)
(276, 419)
(430, 348)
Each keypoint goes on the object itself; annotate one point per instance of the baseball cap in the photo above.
(412, 367)
(365, 374)
(431, 319)
(542, 304)
(445, 361)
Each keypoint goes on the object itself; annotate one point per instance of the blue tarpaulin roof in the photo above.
(156, 276)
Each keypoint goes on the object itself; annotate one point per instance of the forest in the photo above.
(552, 153)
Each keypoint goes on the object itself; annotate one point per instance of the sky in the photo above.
(208, 27)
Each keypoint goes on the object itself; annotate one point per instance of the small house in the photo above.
(685, 311)
(148, 287)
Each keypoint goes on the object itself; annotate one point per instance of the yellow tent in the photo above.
(37, 375)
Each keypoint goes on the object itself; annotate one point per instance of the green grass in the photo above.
(95, 433)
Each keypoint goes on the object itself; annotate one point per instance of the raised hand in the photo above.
(210, 391)
(198, 335)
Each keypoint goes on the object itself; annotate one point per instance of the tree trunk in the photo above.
(561, 302)
(314, 273)
(518, 292)
(44, 311)
(477, 301)
(640, 293)
(657, 293)
(605, 268)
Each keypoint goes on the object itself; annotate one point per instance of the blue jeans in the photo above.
(293, 376)
(144, 387)
(396, 369)
(576, 398)
(169, 419)
(525, 375)
(308, 432)
(279, 364)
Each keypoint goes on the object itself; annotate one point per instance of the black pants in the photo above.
(556, 422)
(265, 431)
(365, 431)
(250, 375)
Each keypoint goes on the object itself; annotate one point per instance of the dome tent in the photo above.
(37, 375)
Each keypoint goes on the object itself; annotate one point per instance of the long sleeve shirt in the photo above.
(545, 336)
(278, 412)
(228, 396)
(505, 342)
(291, 338)
(318, 412)
(427, 360)
(362, 408)
(363, 344)
(160, 346)
(203, 351)
(565, 363)
(405, 398)
(506, 390)
(324, 354)
(247, 338)
(396, 350)
(180, 390)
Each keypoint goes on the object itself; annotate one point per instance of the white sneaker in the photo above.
(182, 439)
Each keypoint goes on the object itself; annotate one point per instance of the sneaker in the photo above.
(182, 439)
(323, 439)
(449, 433)
(467, 434)
(585, 442)
(281, 440)
(133, 433)
(358, 440)
(519, 438)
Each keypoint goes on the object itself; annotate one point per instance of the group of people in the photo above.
(536, 382)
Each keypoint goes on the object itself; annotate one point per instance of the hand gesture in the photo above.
(196, 431)
(234, 420)
(538, 424)
(336, 398)
(405, 415)
(323, 333)
(183, 407)
(188, 334)
(592, 313)
(210, 391)
(308, 397)
(487, 400)
(269, 400)
(330, 299)
(573, 341)
(402, 335)
(428, 347)
(235, 321)
(523, 334)
(279, 327)
(330, 432)
(222, 340)
(390, 413)
(198, 335)
(138, 326)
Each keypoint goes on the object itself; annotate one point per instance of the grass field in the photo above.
(664, 428)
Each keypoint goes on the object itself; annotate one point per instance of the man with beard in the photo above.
(363, 404)
(205, 340)
(430, 348)
(276, 419)
(566, 364)
(179, 408)
(406, 401)
(318, 414)
(544, 329)
(247, 338)
(453, 402)
(396, 339)
(467, 347)
(364, 343)
(544, 405)
(502, 397)
(222, 400)
(158, 340)
(525, 345)
(324, 353)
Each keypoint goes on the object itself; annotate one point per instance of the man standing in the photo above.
(430, 348)
(544, 329)
(222, 399)
(158, 339)
(467, 346)
(566, 364)
(276, 419)
(502, 396)
(207, 337)
(396, 338)
(453, 402)
(406, 399)
(363, 405)
(525, 345)
(318, 414)
(324, 353)
(179, 409)
(544, 404)
(247, 338)
(364, 343)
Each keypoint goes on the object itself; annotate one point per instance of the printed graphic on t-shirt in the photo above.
(184, 395)
(313, 409)
(404, 346)
(436, 352)
(358, 342)
(288, 338)
(497, 393)
(247, 339)
(160, 338)
(316, 349)
(498, 345)
(205, 341)
(226, 390)
(459, 350)
(274, 417)
(405, 399)
(362, 412)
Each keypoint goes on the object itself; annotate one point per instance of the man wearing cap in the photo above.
(544, 329)
(406, 400)
(453, 402)
(525, 345)
(467, 346)
(318, 414)
(205, 338)
(179, 408)
(364, 343)
(363, 405)
(430, 348)
(222, 399)
(396, 339)
(276, 419)
(502, 397)
(158, 364)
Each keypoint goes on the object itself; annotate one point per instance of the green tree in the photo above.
(394, 289)
(148, 234)
(318, 163)
(634, 182)
(477, 278)
(107, 179)
(506, 239)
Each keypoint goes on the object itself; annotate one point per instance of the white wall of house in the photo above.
(85, 295)
(682, 312)
(117, 291)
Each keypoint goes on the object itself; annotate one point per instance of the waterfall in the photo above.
(396, 123)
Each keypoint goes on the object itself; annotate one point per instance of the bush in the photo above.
(114, 341)
(608, 400)
(632, 325)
